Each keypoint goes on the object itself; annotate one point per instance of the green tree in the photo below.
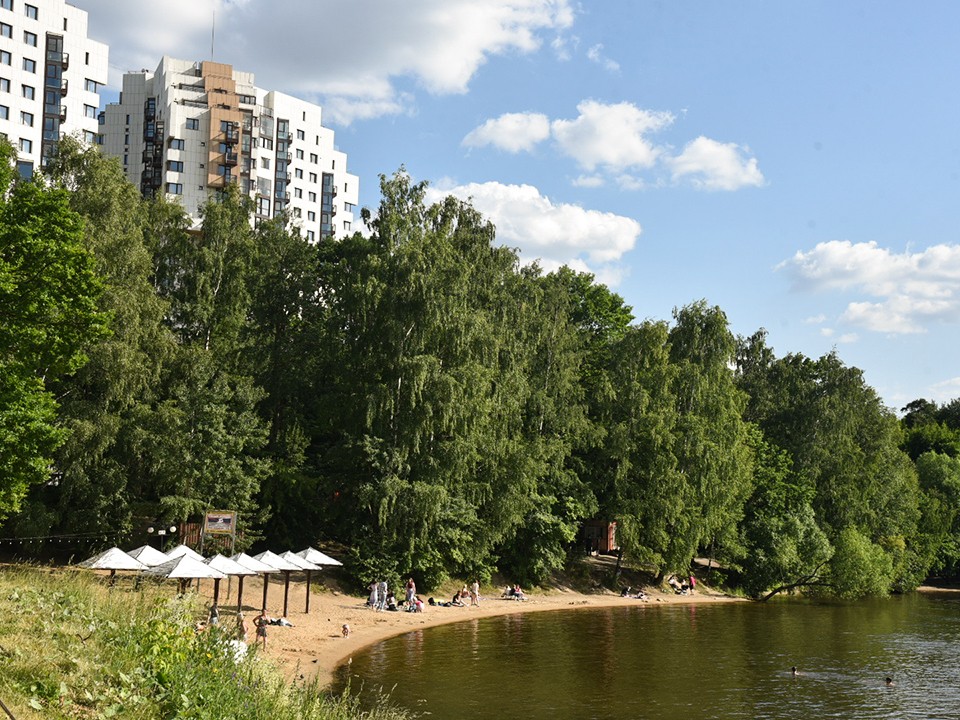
(48, 315)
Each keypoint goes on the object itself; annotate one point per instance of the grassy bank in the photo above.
(70, 647)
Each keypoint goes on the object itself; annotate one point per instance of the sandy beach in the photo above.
(315, 645)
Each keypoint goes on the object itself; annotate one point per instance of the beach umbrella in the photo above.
(113, 559)
(317, 557)
(148, 555)
(184, 568)
(229, 568)
(184, 550)
(284, 566)
(306, 566)
(259, 568)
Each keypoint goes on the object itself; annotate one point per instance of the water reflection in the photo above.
(645, 661)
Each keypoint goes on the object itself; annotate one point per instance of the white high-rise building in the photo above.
(50, 77)
(190, 129)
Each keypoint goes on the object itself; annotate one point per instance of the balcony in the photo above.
(230, 159)
(63, 113)
(284, 155)
(231, 136)
(282, 195)
(281, 136)
(221, 181)
(282, 175)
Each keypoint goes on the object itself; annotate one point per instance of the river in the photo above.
(724, 661)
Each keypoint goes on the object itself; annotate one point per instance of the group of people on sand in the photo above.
(381, 598)
(513, 592)
(241, 630)
(683, 587)
(627, 592)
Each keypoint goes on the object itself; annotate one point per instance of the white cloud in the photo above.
(910, 289)
(555, 233)
(712, 165)
(611, 142)
(613, 137)
(815, 319)
(513, 132)
(438, 43)
(595, 54)
(588, 181)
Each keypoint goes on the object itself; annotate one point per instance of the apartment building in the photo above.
(50, 77)
(190, 129)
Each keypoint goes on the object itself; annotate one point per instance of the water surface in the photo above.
(721, 661)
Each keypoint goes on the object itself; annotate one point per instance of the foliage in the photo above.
(48, 314)
(74, 648)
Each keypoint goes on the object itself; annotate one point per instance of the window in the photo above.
(4, 57)
(4, 85)
(301, 135)
(193, 123)
(175, 188)
(311, 216)
(30, 11)
(264, 206)
(298, 173)
(126, 159)
(6, 30)
(296, 212)
(91, 85)
(312, 197)
(299, 154)
(26, 119)
(176, 144)
(28, 92)
(265, 163)
(4, 112)
(313, 158)
(126, 138)
(298, 193)
(30, 38)
(175, 165)
(311, 235)
(6, 4)
(347, 225)
(313, 177)
(30, 65)
(90, 137)
(26, 145)
(89, 111)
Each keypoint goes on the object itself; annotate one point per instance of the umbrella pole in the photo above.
(240, 594)
(113, 578)
(308, 592)
(266, 584)
(286, 590)
(216, 591)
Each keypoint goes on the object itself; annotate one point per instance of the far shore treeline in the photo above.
(426, 402)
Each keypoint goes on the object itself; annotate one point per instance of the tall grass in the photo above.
(70, 647)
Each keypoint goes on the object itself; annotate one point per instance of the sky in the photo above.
(795, 163)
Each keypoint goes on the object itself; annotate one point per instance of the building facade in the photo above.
(50, 77)
(191, 129)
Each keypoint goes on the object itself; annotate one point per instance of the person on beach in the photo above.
(345, 630)
(693, 584)
(241, 627)
(372, 599)
(260, 622)
(455, 600)
(411, 591)
(214, 617)
(391, 602)
(382, 595)
(475, 594)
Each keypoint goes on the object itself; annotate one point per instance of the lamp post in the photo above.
(161, 533)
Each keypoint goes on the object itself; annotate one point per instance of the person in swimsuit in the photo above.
(260, 622)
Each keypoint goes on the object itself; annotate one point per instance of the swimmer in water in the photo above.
(888, 682)
(794, 671)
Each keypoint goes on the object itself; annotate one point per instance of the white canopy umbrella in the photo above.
(305, 565)
(284, 566)
(317, 557)
(113, 559)
(185, 567)
(261, 568)
(148, 555)
(230, 568)
(184, 550)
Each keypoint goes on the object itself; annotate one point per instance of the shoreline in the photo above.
(314, 647)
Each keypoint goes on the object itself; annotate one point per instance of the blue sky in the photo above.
(797, 164)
